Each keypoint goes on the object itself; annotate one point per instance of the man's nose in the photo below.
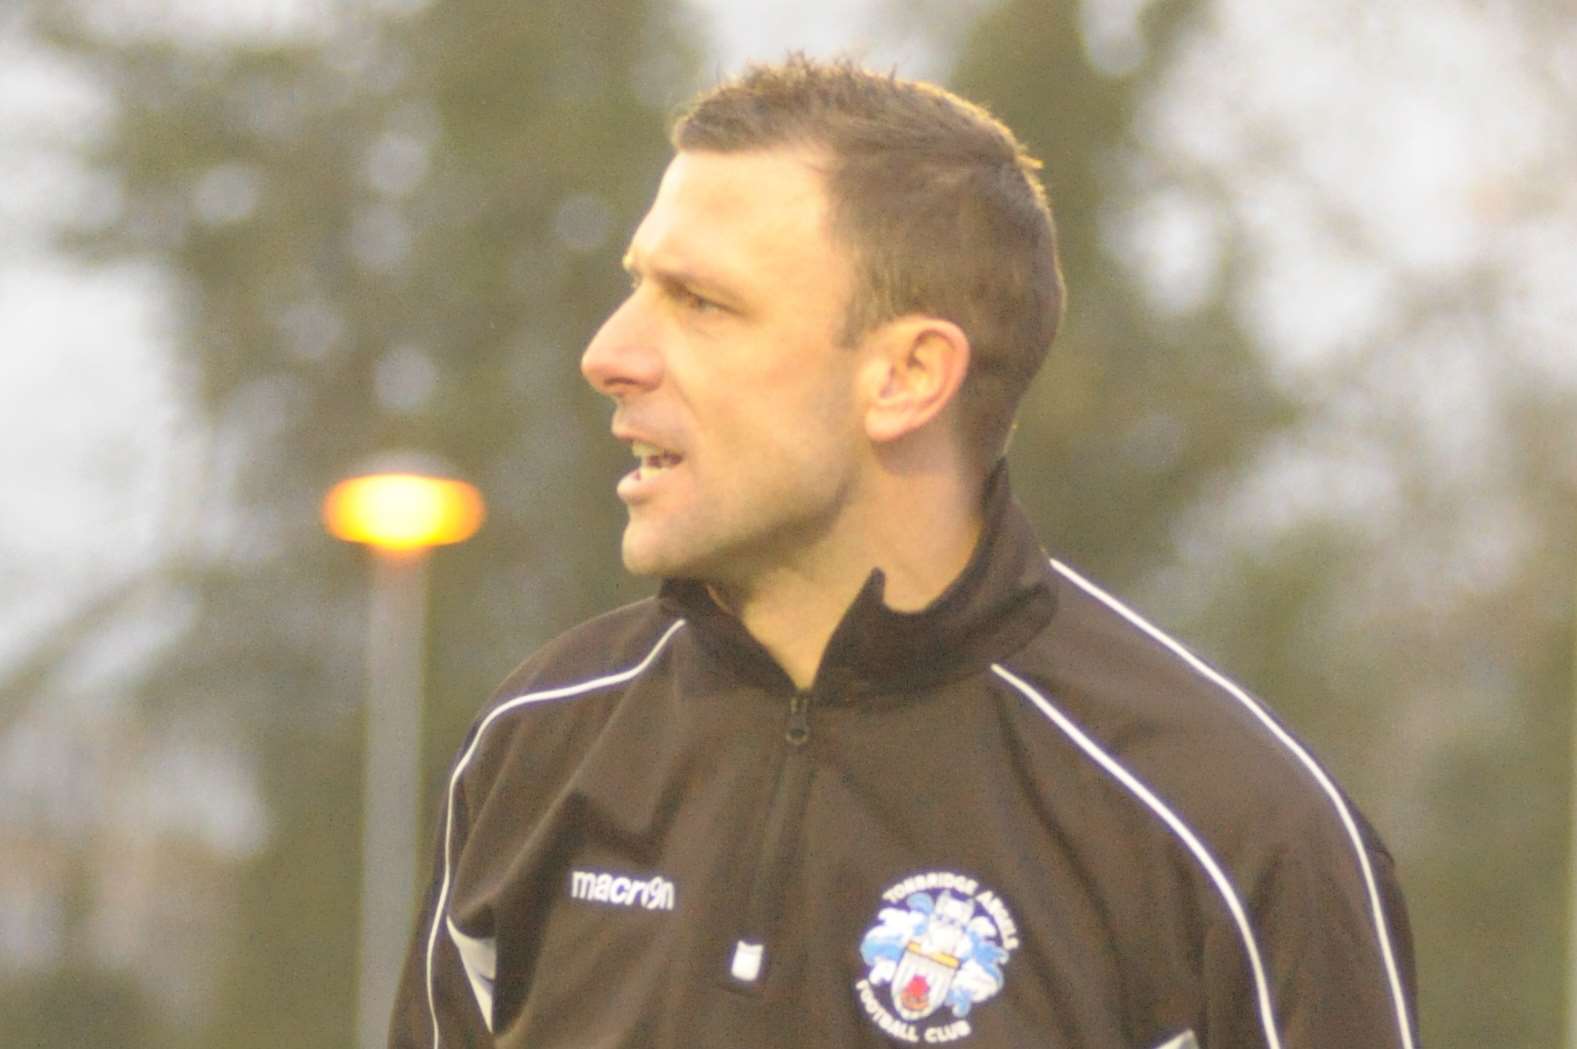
(622, 357)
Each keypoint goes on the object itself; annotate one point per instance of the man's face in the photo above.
(725, 367)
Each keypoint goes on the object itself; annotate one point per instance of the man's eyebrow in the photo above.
(674, 275)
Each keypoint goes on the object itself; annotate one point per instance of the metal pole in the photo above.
(1571, 864)
(392, 772)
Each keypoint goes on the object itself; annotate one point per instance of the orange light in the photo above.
(403, 511)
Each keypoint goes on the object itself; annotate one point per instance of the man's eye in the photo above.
(691, 301)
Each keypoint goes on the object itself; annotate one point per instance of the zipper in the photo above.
(798, 731)
(750, 958)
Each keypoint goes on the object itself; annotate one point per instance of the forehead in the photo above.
(731, 215)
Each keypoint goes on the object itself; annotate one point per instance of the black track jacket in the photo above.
(1022, 817)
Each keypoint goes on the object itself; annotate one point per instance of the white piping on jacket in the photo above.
(1376, 908)
(1171, 819)
(439, 915)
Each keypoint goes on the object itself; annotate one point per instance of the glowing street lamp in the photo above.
(400, 515)
(402, 512)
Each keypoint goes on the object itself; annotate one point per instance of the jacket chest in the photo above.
(831, 891)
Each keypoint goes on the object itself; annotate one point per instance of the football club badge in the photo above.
(937, 950)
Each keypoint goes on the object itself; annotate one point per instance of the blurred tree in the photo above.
(1330, 449)
(391, 226)
(1140, 407)
(75, 1006)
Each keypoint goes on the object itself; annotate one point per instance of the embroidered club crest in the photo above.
(936, 952)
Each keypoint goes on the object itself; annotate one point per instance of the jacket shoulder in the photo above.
(1313, 894)
(1177, 723)
(605, 646)
(554, 703)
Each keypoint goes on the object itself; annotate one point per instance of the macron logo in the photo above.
(653, 894)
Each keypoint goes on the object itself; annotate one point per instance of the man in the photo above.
(871, 770)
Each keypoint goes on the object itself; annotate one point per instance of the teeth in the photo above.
(653, 459)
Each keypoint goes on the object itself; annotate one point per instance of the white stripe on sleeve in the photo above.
(1177, 826)
(440, 917)
(1376, 907)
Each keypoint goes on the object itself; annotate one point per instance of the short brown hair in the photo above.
(937, 201)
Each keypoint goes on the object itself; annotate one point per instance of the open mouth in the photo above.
(653, 460)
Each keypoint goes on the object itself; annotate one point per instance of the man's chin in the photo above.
(647, 555)
(644, 557)
(647, 569)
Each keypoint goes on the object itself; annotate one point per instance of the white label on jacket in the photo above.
(1186, 1040)
(943, 945)
(747, 961)
(653, 894)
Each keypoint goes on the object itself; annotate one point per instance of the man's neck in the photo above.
(793, 610)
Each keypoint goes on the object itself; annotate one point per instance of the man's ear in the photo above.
(916, 368)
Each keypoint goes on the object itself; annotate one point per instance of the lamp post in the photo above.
(1571, 866)
(401, 516)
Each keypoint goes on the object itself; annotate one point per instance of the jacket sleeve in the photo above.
(436, 1007)
(1335, 949)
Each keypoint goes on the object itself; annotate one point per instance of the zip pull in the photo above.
(798, 733)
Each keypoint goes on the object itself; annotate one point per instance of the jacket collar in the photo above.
(1001, 599)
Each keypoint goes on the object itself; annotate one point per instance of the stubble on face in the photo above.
(773, 511)
(756, 392)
